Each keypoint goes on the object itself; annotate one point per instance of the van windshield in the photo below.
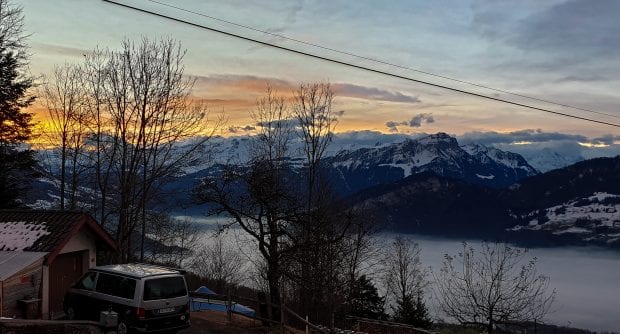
(164, 288)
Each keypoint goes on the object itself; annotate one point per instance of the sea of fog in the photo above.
(587, 280)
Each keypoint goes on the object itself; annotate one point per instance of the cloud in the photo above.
(582, 27)
(372, 93)
(352, 140)
(258, 84)
(393, 125)
(523, 139)
(249, 82)
(368, 137)
(582, 78)
(418, 119)
(546, 150)
(63, 50)
(606, 140)
(255, 84)
(516, 137)
(415, 122)
(237, 129)
(291, 123)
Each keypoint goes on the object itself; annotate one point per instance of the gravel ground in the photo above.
(213, 322)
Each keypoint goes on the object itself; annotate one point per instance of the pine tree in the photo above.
(16, 163)
(412, 310)
(15, 124)
(364, 300)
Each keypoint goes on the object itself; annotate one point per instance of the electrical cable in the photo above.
(335, 61)
(351, 54)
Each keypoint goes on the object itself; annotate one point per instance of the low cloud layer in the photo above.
(240, 129)
(516, 137)
(290, 123)
(547, 150)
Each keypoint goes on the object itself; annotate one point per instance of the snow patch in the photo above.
(486, 177)
(405, 167)
(573, 230)
(16, 236)
(595, 217)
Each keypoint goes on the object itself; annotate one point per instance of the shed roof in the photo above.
(13, 262)
(45, 231)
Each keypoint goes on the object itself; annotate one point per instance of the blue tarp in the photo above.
(205, 290)
(204, 304)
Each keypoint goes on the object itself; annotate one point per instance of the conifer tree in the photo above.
(16, 163)
(412, 310)
(364, 300)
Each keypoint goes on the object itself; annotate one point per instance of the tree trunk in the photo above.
(273, 278)
(490, 327)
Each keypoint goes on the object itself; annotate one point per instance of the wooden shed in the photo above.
(42, 253)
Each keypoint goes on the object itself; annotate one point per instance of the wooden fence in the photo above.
(264, 310)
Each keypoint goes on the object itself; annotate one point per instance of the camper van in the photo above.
(146, 298)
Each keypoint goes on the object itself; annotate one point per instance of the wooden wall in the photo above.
(26, 284)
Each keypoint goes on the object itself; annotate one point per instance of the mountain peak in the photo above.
(440, 137)
(437, 153)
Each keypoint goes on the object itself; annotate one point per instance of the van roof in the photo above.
(137, 270)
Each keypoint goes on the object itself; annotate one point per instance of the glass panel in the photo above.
(87, 282)
(118, 286)
(164, 288)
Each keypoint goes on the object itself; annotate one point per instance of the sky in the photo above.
(558, 50)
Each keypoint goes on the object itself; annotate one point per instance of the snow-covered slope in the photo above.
(592, 218)
(546, 159)
(437, 153)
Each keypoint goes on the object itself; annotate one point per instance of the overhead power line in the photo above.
(369, 69)
(378, 61)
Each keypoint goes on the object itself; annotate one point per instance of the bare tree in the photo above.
(363, 249)
(102, 148)
(142, 127)
(261, 198)
(148, 114)
(404, 273)
(313, 109)
(219, 262)
(496, 285)
(321, 229)
(12, 36)
(171, 240)
(405, 280)
(64, 98)
(303, 238)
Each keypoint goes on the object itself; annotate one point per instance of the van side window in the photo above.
(87, 282)
(118, 286)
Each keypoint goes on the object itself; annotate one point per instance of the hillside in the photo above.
(577, 205)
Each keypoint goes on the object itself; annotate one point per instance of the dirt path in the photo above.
(213, 322)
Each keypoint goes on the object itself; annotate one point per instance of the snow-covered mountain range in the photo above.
(438, 153)
(433, 185)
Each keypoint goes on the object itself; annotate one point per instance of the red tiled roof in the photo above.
(60, 227)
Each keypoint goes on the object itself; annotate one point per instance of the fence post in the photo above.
(282, 324)
(228, 305)
(307, 329)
